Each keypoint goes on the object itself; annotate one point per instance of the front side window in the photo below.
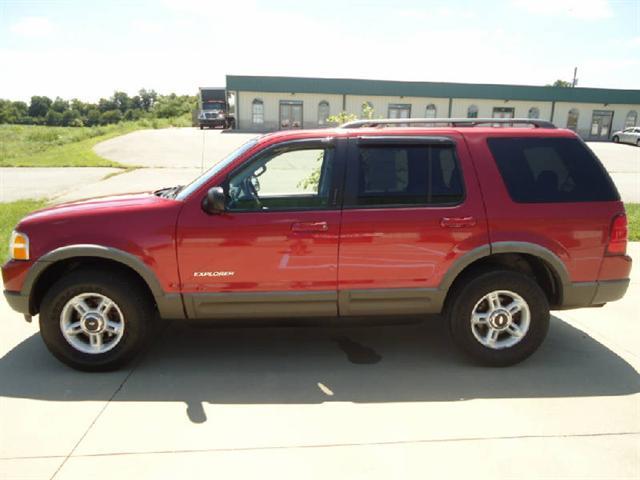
(405, 175)
(551, 170)
(284, 179)
(632, 118)
(257, 112)
(323, 113)
(572, 119)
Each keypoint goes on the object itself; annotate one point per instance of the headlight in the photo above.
(19, 246)
(221, 115)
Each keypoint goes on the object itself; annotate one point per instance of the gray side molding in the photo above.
(169, 304)
(537, 251)
(462, 263)
(532, 249)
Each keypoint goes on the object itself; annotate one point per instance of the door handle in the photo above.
(310, 227)
(457, 222)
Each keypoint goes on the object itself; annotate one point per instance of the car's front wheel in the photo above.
(95, 320)
(615, 139)
(498, 317)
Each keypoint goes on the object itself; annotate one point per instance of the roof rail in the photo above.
(454, 122)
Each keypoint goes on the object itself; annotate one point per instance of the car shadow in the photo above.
(400, 363)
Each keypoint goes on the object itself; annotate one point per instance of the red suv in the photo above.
(491, 222)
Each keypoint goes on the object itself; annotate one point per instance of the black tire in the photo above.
(638, 143)
(468, 292)
(201, 127)
(129, 296)
(615, 139)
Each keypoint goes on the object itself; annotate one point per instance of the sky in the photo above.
(87, 49)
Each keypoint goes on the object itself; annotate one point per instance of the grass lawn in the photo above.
(10, 214)
(41, 146)
(633, 217)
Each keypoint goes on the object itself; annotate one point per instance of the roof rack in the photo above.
(454, 122)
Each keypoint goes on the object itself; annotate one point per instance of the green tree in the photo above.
(107, 104)
(71, 118)
(121, 101)
(39, 106)
(367, 111)
(53, 118)
(110, 116)
(133, 114)
(560, 83)
(147, 99)
(13, 112)
(60, 105)
(92, 118)
(342, 117)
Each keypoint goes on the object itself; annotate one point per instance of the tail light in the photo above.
(618, 235)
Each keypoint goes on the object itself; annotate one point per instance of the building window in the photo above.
(534, 112)
(472, 111)
(631, 120)
(431, 111)
(290, 114)
(503, 112)
(257, 112)
(399, 110)
(323, 113)
(572, 119)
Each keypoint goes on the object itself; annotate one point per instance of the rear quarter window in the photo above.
(551, 170)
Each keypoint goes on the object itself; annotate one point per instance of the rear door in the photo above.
(549, 191)
(411, 208)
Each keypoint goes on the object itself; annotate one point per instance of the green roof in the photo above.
(350, 86)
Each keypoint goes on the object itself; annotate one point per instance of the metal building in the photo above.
(275, 103)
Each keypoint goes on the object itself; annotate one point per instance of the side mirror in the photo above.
(215, 201)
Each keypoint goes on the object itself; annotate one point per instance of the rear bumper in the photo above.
(592, 294)
(17, 301)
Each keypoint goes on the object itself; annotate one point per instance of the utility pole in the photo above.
(575, 77)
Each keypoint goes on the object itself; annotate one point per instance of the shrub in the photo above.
(93, 117)
(53, 118)
(110, 116)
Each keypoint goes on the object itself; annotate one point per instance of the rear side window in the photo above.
(551, 170)
(405, 175)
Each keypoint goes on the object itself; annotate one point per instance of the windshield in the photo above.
(202, 179)
(213, 106)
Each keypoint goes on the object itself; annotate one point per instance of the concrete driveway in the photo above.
(329, 402)
(171, 147)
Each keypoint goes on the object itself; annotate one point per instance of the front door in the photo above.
(411, 207)
(274, 252)
(601, 124)
(290, 114)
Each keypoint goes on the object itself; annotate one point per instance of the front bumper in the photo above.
(212, 122)
(17, 301)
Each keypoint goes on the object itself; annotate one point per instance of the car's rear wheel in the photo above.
(95, 320)
(498, 317)
(615, 139)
